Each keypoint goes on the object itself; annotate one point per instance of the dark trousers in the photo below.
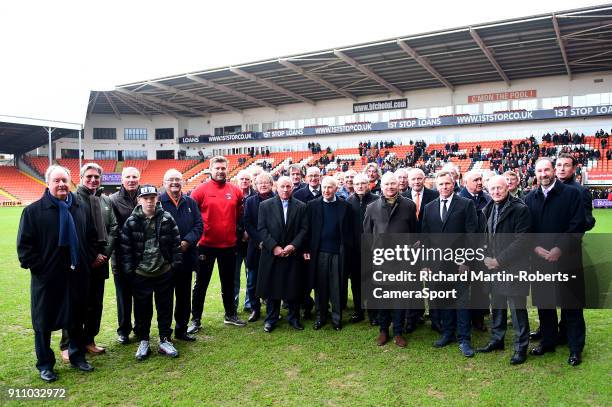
(226, 259)
(93, 314)
(398, 316)
(520, 320)
(45, 358)
(458, 318)
(240, 258)
(182, 291)
(123, 291)
(575, 326)
(328, 287)
(273, 311)
(162, 287)
(251, 298)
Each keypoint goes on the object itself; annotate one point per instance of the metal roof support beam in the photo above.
(149, 105)
(489, 55)
(271, 85)
(92, 104)
(132, 105)
(194, 96)
(368, 72)
(112, 105)
(316, 78)
(425, 64)
(561, 43)
(154, 99)
(230, 91)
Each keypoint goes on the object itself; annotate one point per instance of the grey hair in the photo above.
(264, 176)
(127, 169)
(90, 166)
(329, 180)
(53, 168)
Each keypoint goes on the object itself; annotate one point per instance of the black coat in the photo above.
(428, 196)
(561, 218)
(189, 221)
(480, 201)
(281, 277)
(461, 217)
(358, 208)
(133, 239)
(305, 195)
(123, 204)
(509, 243)
(315, 228)
(251, 216)
(57, 293)
(587, 201)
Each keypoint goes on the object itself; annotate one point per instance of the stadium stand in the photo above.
(25, 188)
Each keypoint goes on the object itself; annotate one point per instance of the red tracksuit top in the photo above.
(221, 205)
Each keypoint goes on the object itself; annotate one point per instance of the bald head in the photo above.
(498, 188)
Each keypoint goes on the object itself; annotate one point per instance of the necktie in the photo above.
(444, 210)
(285, 207)
(316, 192)
(418, 204)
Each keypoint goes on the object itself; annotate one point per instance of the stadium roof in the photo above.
(562, 43)
(22, 134)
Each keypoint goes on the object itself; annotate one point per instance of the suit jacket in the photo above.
(251, 220)
(281, 277)
(587, 201)
(480, 201)
(428, 196)
(461, 217)
(315, 229)
(304, 194)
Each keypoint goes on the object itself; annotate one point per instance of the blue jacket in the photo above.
(251, 216)
(189, 221)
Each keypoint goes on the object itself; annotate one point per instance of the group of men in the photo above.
(294, 237)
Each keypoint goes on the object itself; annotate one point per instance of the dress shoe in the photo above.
(255, 315)
(268, 327)
(83, 366)
(490, 347)
(318, 325)
(382, 338)
(65, 356)
(296, 325)
(444, 340)
(185, 337)
(466, 349)
(123, 339)
(535, 335)
(400, 341)
(575, 358)
(357, 317)
(94, 349)
(539, 350)
(48, 375)
(519, 357)
(337, 326)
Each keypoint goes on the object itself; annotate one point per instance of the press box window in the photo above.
(104, 133)
(135, 134)
(164, 134)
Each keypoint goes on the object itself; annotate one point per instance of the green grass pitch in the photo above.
(231, 366)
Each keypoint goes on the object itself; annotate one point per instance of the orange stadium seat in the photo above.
(20, 185)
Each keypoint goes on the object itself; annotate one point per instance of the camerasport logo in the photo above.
(228, 196)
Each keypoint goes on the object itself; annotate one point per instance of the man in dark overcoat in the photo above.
(52, 238)
(557, 210)
(281, 226)
(329, 245)
(508, 222)
(263, 185)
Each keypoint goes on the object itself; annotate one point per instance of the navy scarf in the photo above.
(67, 229)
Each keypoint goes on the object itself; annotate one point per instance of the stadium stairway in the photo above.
(20, 185)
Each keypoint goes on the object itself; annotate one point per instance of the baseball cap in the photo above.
(147, 190)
